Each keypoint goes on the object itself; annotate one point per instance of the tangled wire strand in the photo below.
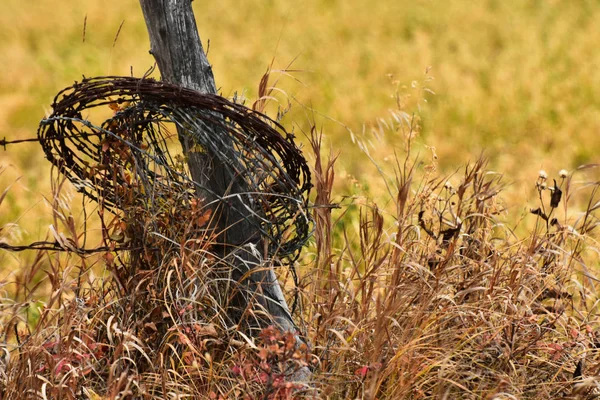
(125, 161)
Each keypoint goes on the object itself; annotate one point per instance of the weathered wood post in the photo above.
(176, 46)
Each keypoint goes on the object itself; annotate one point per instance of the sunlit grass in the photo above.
(515, 80)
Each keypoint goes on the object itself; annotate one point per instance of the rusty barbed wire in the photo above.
(4, 142)
(125, 161)
(68, 248)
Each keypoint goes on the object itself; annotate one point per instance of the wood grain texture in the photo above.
(176, 46)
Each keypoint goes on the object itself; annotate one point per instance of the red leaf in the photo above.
(574, 333)
(263, 377)
(62, 365)
(362, 371)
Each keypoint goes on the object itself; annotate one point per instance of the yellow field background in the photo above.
(515, 79)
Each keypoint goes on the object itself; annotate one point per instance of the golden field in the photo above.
(516, 81)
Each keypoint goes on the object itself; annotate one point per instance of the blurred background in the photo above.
(516, 80)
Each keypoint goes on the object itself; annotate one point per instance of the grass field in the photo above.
(514, 80)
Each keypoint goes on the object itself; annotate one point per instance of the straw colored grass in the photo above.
(431, 295)
(428, 275)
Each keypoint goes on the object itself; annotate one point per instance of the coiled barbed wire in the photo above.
(125, 160)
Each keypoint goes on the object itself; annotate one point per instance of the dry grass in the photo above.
(430, 296)
(425, 283)
(441, 299)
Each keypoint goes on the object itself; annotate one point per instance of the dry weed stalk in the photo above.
(448, 302)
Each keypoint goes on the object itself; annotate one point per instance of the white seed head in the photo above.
(543, 174)
(563, 173)
(448, 185)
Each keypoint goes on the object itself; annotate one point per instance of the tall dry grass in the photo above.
(430, 295)
(423, 281)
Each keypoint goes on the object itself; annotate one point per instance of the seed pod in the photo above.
(556, 195)
(578, 370)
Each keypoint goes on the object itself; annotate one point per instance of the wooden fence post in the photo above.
(176, 46)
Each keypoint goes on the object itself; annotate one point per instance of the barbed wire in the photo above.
(130, 148)
(69, 248)
(113, 138)
(4, 142)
